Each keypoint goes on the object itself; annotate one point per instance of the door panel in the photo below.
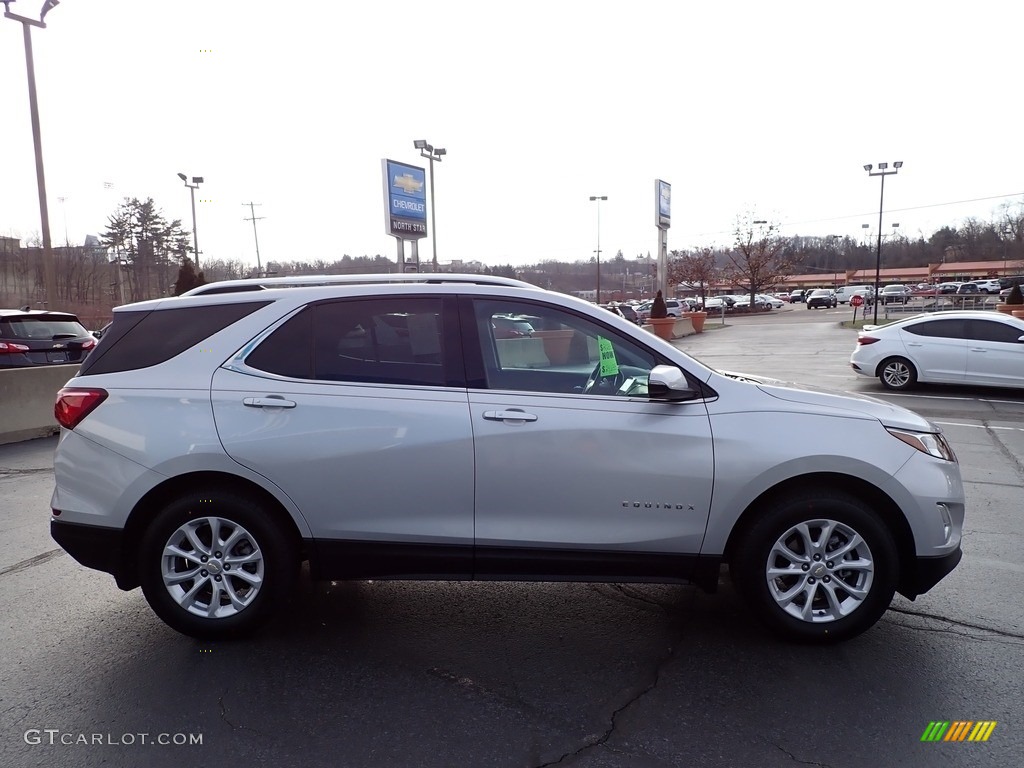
(570, 452)
(591, 473)
(360, 461)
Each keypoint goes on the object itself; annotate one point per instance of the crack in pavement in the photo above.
(1010, 455)
(601, 741)
(224, 716)
(9, 472)
(32, 561)
(797, 759)
(957, 623)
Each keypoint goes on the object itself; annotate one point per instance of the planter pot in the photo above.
(1009, 308)
(1019, 312)
(556, 345)
(697, 318)
(661, 326)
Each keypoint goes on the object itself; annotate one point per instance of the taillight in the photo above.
(74, 404)
(867, 339)
(9, 348)
(89, 344)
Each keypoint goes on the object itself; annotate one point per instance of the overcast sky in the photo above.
(766, 108)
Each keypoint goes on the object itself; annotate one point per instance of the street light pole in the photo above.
(196, 181)
(431, 153)
(598, 199)
(49, 271)
(881, 199)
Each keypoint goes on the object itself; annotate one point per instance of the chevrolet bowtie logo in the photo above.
(407, 183)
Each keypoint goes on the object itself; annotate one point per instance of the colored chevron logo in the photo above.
(958, 730)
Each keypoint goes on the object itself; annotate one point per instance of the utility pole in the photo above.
(49, 269)
(254, 219)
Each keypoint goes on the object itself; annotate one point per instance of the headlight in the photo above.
(927, 442)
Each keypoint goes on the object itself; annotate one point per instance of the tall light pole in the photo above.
(196, 181)
(598, 199)
(49, 271)
(431, 153)
(881, 199)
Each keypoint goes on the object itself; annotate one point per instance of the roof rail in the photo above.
(304, 281)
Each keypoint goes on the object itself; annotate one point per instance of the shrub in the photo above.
(1015, 297)
(658, 308)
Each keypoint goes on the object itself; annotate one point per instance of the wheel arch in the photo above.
(888, 510)
(887, 358)
(160, 495)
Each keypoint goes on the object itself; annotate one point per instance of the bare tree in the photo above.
(696, 268)
(760, 257)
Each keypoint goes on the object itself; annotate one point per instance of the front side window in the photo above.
(992, 330)
(540, 348)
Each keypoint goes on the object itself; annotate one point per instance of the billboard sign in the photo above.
(405, 200)
(662, 203)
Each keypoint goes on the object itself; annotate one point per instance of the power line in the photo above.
(872, 213)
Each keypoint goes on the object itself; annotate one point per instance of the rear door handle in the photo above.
(510, 415)
(271, 401)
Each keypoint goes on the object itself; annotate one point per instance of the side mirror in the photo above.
(666, 382)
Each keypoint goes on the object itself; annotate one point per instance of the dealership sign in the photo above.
(405, 200)
(662, 204)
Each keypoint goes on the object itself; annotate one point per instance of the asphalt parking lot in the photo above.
(491, 674)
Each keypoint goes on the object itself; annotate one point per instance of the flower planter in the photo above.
(1018, 311)
(697, 318)
(661, 326)
(1008, 308)
(556, 344)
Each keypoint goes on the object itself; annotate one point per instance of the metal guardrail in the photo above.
(940, 303)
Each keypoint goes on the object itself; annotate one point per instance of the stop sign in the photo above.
(856, 300)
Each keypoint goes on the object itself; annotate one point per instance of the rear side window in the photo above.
(140, 339)
(385, 341)
(943, 329)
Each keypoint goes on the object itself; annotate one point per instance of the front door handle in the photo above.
(271, 401)
(511, 415)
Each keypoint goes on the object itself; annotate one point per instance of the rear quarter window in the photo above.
(138, 340)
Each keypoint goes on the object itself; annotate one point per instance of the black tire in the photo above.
(897, 374)
(821, 622)
(264, 557)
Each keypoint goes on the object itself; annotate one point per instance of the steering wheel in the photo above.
(603, 385)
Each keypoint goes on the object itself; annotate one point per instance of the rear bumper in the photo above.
(101, 549)
(926, 572)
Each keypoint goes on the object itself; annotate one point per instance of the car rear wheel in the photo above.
(818, 567)
(214, 564)
(897, 374)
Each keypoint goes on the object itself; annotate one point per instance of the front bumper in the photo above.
(924, 573)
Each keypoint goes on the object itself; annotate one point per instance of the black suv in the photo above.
(34, 337)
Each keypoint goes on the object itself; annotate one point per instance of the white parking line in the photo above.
(976, 426)
(947, 397)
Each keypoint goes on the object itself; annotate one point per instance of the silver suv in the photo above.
(382, 427)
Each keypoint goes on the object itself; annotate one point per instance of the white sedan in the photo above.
(961, 347)
(760, 300)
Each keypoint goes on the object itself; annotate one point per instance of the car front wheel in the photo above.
(897, 374)
(214, 564)
(818, 567)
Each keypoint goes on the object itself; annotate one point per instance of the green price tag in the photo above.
(609, 365)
